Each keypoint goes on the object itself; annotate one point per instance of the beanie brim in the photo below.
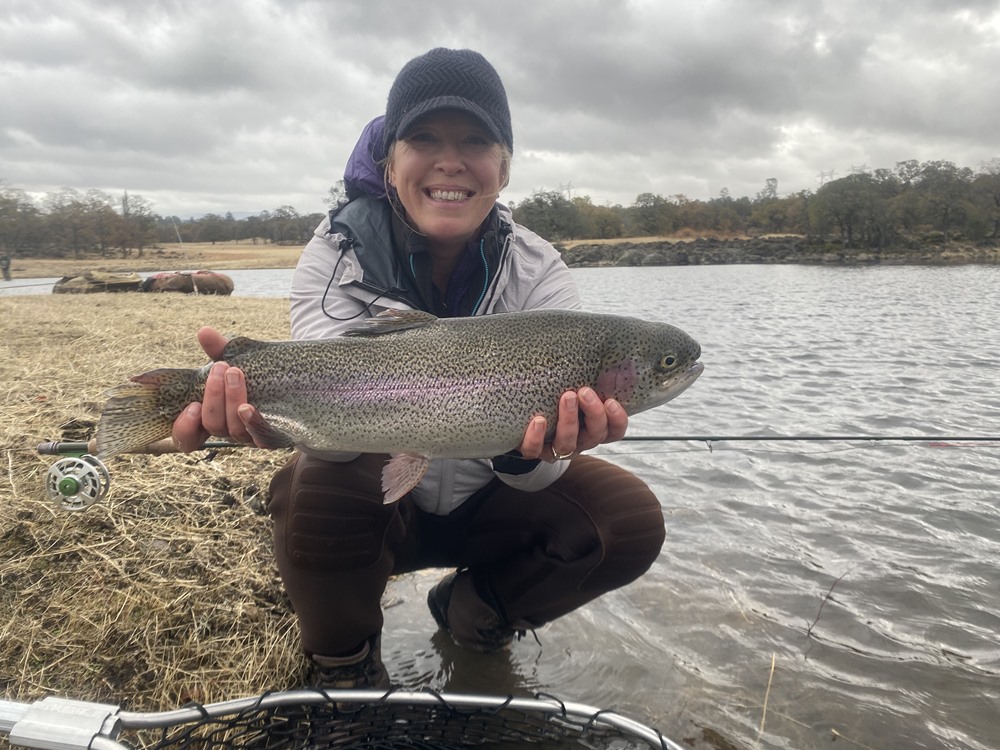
(438, 103)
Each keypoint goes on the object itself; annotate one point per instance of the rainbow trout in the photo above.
(419, 387)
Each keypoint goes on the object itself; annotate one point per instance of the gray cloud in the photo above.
(246, 106)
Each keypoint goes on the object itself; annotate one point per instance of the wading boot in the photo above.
(361, 671)
(474, 624)
(297, 725)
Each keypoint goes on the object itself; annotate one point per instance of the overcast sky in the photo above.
(247, 105)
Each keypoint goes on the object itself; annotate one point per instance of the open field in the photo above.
(191, 256)
(166, 590)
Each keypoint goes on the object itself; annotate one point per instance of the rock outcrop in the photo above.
(770, 250)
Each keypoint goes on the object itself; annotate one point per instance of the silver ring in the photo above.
(560, 456)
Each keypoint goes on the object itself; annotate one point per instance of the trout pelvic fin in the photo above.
(143, 410)
(392, 321)
(402, 473)
(263, 434)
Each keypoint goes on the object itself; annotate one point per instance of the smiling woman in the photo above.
(531, 534)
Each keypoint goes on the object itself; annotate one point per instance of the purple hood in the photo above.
(363, 174)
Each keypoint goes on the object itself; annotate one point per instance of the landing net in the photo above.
(353, 719)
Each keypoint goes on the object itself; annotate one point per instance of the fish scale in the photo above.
(419, 387)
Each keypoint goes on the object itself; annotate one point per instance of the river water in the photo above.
(905, 653)
(808, 592)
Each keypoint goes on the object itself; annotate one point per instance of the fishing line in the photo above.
(813, 438)
(653, 450)
(711, 441)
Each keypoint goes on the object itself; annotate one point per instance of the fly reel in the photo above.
(77, 483)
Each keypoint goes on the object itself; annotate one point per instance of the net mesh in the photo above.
(426, 721)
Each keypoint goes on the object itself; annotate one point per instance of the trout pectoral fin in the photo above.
(402, 473)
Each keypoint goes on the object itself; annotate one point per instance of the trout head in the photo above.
(648, 365)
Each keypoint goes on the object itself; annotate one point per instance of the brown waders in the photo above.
(525, 557)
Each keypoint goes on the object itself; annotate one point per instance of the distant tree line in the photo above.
(71, 224)
(282, 226)
(929, 201)
(918, 202)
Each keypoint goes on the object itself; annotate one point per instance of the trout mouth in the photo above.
(676, 385)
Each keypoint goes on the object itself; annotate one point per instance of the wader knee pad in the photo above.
(331, 515)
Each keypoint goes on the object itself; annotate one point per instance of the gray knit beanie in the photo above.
(448, 79)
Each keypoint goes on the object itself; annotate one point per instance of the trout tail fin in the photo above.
(143, 410)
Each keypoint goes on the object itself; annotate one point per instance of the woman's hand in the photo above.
(223, 411)
(584, 422)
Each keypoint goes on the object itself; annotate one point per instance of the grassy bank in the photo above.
(165, 591)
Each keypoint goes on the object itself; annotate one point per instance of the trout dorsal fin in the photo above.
(241, 345)
(392, 321)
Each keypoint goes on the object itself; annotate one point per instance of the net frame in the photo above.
(314, 719)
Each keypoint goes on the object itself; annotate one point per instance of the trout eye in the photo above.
(668, 361)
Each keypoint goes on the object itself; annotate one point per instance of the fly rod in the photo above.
(56, 448)
(80, 479)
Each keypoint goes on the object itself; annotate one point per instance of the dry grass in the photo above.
(224, 256)
(166, 591)
(681, 235)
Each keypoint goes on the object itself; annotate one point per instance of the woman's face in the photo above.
(448, 172)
